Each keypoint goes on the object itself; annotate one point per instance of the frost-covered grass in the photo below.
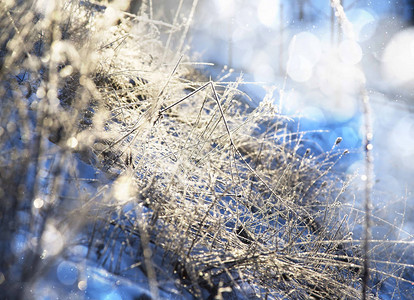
(118, 156)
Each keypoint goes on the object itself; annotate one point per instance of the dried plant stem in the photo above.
(167, 45)
(147, 255)
(349, 33)
(216, 200)
(293, 209)
(368, 189)
(187, 27)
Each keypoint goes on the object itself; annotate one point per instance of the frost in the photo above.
(127, 172)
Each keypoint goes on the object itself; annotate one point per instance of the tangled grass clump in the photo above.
(205, 197)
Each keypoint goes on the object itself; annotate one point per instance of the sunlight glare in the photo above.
(350, 52)
(299, 68)
(402, 138)
(72, 142)
(267, 12)
(304, 52)
(52, 240)
(225, 7)
(398, 58)
(45, 7)
(38, 203)
(124, 189)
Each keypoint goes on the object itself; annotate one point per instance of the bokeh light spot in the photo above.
(350, 52)
(67, 273)
(304, 52)
(38, 203)
(82, 285)
(363, 22)
(11, 127)
(72, 142)
(402, 138)
(299, 68)
(307, 45)
(398, 58)
(225, 7)
(313, 113)
(343, 107)
(124, 189)
(267, 12)
(52, 240)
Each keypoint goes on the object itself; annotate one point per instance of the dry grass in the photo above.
(199, 191)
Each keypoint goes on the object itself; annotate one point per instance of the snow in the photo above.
(321, 89)
(84, 273)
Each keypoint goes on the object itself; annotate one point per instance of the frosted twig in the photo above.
(292, 208)
(350, 34)
(346, 25)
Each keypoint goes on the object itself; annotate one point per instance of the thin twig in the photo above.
(368, 189)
